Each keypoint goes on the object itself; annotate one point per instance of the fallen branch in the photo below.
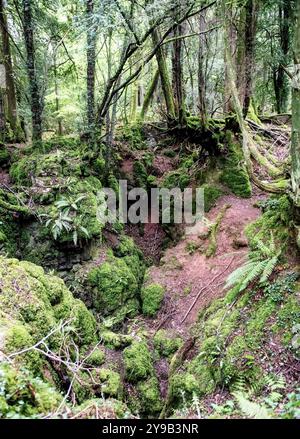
(212, 247)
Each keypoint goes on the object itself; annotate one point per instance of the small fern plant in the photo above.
(259, 266)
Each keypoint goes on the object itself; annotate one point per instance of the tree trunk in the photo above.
(280, 80)
(163, 72)
(201, 68)
(177, 72)
(149, 95)
(36, 101)
(295, 145)
(57, 106)
(91, 66)
(250, 32)
(11, 113)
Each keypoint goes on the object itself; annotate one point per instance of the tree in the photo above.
(281, 86)
(35, 92)
(295, 145)
(11, 107)
(91, 65)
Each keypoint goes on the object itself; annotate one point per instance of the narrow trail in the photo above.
(184, 275)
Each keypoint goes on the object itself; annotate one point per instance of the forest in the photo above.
(147, 317)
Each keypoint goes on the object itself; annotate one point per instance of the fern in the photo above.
(251, 409)
(259, 266)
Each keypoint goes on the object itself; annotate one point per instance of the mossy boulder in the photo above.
(149, 396)
(138, 362)
(23, 396)
(110, 382)
(166, 344)
(114, 285)
(152, 297)
(36, 303)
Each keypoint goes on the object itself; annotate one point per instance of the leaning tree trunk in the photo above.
(149, 95)
(91, 67)
(164, 76)
(295, 145)
(36, 101)
(11, 112)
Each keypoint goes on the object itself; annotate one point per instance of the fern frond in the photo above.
(239, 274)
(268, 270)
(256, 270)
(251, 409)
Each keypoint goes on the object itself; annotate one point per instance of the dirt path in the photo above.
(184, 273)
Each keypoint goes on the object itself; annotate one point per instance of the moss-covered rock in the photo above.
(166, 344)
(96, 358)
(23, 396)
(110, 382)
(149, 396)
(114, 284)
(152, 297)
(138, 362)
(36, 303)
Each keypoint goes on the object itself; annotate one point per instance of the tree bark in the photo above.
(11, 113)
(36, 101)
(280, 80)
(201, 68)
(177, 71)
(295, 145)
(164, 76)
(149, 95)
(91, 66)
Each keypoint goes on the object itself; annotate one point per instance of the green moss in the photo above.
(22, 396)
(40, 302)
(134, 135)
(110, 382)
(140, 174)
(277, 218)
(152, 297)
(116, 341)
(138, 362)
(255, 329)
(96, 358)
(287, 317)
(105, 409)
(234, 174)
(211, 195)
(114, 284)
(4, 156)
(165, 344)
(149, 395)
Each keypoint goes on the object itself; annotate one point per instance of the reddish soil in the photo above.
(184, 274)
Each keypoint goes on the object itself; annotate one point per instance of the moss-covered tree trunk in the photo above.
(91, 66)
(11, 99)
(295, 145)
(177, 70)
(149, 95)
(36, 100)
(201, 68)
(280, 80)
(35, 93)
(164, 76)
